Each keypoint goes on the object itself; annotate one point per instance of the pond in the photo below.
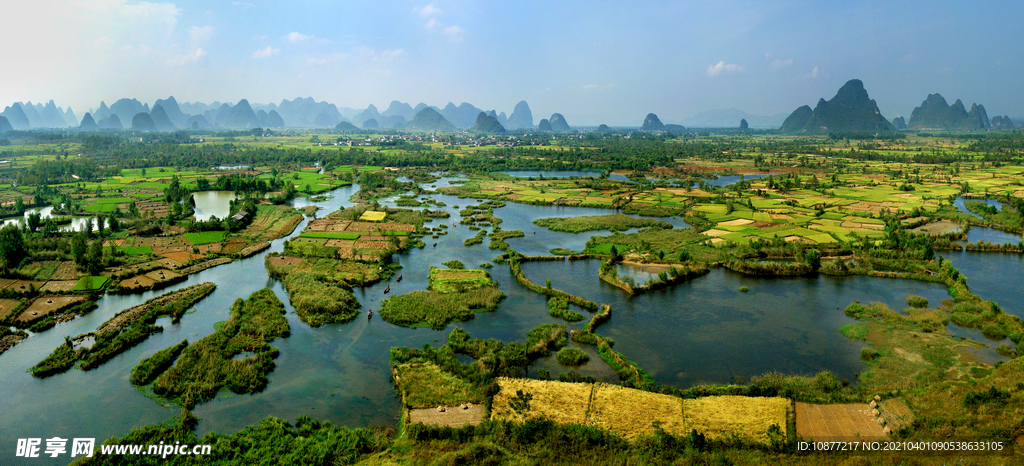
(213, 203)
(77, 223)
(726, 180)
(708, 331)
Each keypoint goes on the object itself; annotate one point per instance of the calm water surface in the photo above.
(701, 331)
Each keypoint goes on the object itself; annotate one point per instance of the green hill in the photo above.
(486, 124)
(429, 120)
(558, 122)
(851, 110)
(652, 123)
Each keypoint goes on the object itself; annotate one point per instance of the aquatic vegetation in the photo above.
(573, 357)
(208, 365)
(559, 307)
(320, 301)
(611, 222)
(150, 368)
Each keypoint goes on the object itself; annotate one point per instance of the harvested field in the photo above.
(747, 417)
(559, 401)
(284, 261)
(737, 222)
(715, 233)
(8, 305)
(340, 243)
(836, 422)
(140, 281)
(452, 416)
(183, 257)
(937, 228)
(373, 227)
(62, 285)
(24, 286)
(159, 250)
(373, 244)
(65, 271)
(162, 275)
(631, 413)
(47, 304)
(248, 251)
(204, 265)
(327, 224)
(232, 247)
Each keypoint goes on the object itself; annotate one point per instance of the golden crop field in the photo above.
(631, 413)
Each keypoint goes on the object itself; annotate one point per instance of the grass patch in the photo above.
(425, 385)
(611, 222)
(132, 250)
(147, 370)
(205, 237)
(319, 301)
(917, 301)
(435, 309)
(458, 280)
(857, 332)
(572, 357)
(559, 307)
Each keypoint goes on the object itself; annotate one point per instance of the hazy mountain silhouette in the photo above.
(521, 116)
(429, 119)
(652, 123)
(558, 123)
(88, 124)
(142, 121)
(487, 124)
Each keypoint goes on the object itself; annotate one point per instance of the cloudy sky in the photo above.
(596, 61)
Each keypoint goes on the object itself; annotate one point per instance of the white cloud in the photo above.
(454, 33)
(298, 38)
(201, 34)
(780, 63)
(266, 53)
(907, 58)
(431, 23)
(188, 58)
(816, 73)
(326, 59)
(427, 10)
(720, 67)
(102, 41)
(389, 55)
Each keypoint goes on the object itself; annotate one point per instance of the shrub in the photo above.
(570, 356)
(869, 354)
(917, 301)
(744, 289)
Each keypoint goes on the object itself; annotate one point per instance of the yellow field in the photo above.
(559, 401)
(372, 216)
(723, 416)
(631, 413)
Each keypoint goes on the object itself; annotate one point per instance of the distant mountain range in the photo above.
(849, 110)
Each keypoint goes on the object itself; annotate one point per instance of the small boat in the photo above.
(388, 289)
(435, 244)
(399, 278)
(369, 314)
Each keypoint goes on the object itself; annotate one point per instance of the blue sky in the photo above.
(595, 62)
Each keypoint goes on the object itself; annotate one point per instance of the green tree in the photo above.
(94, 258)
(78, 249)
(12, 246)
(33, 221)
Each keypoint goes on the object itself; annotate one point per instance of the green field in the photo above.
(205, 237)
(134, 250)
(89, 283)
